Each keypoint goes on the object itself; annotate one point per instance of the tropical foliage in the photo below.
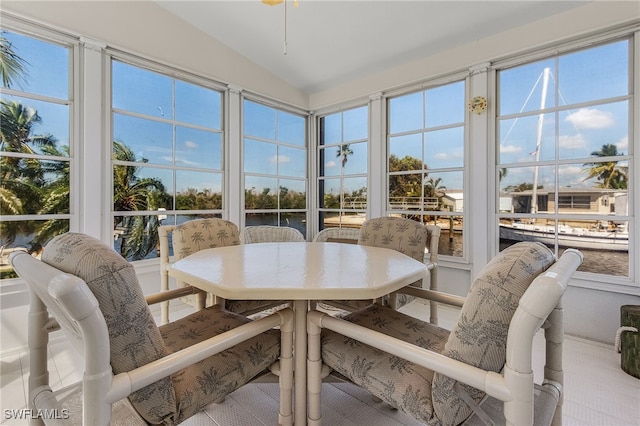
(12, 66)
(131, 193)
(266, 200)
(409, 184)
(29, 185)
(610, 174)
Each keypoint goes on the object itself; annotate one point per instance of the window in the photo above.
(36, 150)
(426, 160)
(342, 166)
(578, 202)
(275, 167)
(563, 159)
(167, 155)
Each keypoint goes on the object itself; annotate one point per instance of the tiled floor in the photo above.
(597, 390)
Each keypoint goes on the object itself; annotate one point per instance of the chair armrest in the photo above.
(175, 293)
(436, 296)
(488, 381)
(125, 383)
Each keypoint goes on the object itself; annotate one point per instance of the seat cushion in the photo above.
(215, 377)
(400, 383)
(249, 307)
(479, 337)
(133, 334)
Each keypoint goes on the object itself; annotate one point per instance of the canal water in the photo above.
(595, 261)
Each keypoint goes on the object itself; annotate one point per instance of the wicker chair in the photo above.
(269, 234)
(338, 235)
(441, 377)
(193, 236)
(168, 373)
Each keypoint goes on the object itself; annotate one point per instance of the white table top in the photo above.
(298, 271)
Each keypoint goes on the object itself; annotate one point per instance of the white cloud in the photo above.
(568, 170)
(279, 159)
(510, 149)
(589, 118)
(623, 144)
(190, 144)
(330, 164)
(572, 142)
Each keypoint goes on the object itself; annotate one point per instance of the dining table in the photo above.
(300, 273)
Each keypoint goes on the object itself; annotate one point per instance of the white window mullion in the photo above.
(376, 195)
(481, 242)
(233, 156)
(94, 137)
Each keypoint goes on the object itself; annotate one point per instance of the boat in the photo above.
(580, 238)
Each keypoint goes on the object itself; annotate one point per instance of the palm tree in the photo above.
(56, 195)
(132, 193)
(609, 173)
(12, 66)
(16, 124)
(23, 179)
(434, 187)
(344, 151)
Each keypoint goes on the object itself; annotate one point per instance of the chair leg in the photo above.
(433, 306)
(38, 339)
(314, 367)
(285, 378)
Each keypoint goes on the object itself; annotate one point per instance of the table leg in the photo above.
(300, 354)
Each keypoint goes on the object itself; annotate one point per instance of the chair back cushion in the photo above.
(404, 235)
(134, 337)
(480, 336)
(198, 234)
(397, 233)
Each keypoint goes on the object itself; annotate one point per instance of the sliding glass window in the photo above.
(564, 161)
(426, 160)
(275, 167)
(342, 164)
(36, 155)
(167, 147)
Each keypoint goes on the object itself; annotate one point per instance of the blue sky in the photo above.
(575, 79)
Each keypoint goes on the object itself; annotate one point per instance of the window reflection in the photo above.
(573, 187)
(275, 167)
(426, 160)
(342, 163)
(167, 155)
(36, 157)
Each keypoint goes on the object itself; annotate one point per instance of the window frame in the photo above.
(174, 75)
(598, 281)
(74, 49)
(277, 107)
(319, 147)
(451, 78)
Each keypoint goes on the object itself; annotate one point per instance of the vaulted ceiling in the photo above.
(329, 42)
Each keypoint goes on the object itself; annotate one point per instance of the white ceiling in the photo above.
(331, 42)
